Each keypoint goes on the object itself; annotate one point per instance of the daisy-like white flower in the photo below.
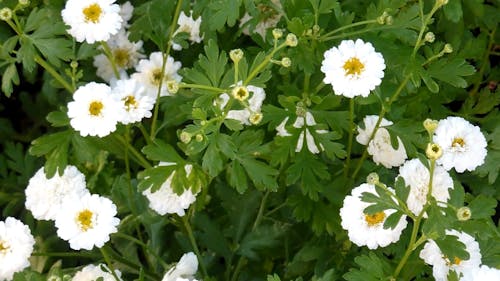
(441, 265)
(305, 136)
(416, 176)
(16, 246)
(463, 144)
(149, 73)
(482, 273)
(380, 147)
(165, 200)
(92, 20)
(44, 196)
(94, 111)
(126, 12)
(367, 230)
(353, 69)
(269, 16)
(126, 54)
(92, 272)
(136, 104)
(252, 95)
(188, 25)
(185, 269)
(87, 222)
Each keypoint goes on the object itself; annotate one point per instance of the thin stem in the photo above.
(326, 35)
(203, 87)
(349, 34)
(144, 246)
(54, 73)
(351, 135)
(111, 58)
(108, 262)
(425, 22)
(491, 44)
(192, 240)
(263, 64)
(140, 159)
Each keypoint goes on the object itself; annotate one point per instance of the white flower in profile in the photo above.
(188, 25)
(305, 122)
(353, 69)
(93, 272)
(364, 229)
(87, 222)
(126, 12)
(44, 196)
(441, 265)
(185, 269)
(165, 200)
(251, 114)
(126, 55)
(369, 123)
(136, 104)
(416, 176)
(482, 273)
(94, 111)
(16, 246)
(269, 16)
(92, 20)
(149, 73)
(463, 144)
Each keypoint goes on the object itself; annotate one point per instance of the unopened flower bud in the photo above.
(286, 62)
(199, 137)
(291, 40)
(316, 28)
(240, 93)
(381, 19)
(429, 37)
(5, 14)
(448, 48)
(430, 125)
(300, 111)
(255, 118)
(441, 2)
(185, 137)
(74, 64)
(433, 151)
(24, 2)
(277, 33)
(236, 55)
(172, 86)
(389, 20)
(464, 213)
(372, 178)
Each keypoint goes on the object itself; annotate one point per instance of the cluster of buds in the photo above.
(385, 18)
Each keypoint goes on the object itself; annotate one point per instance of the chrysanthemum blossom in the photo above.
(254, 97)
(16, 246)
(149, 73)
(369, 125)
(93, 272)
(269, 17)
(44, 197)
(463, 144)
(305, 122)
(416, 176)
(185, 269)
(364, 229)
(94, 111)
(87, 222)
(441, 265)
(482, 273)
(92, 20)
(353, 68)
(165, 200)
(188, 25)
(136, 104)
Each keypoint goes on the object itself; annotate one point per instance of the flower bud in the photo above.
(464, 213)
(433, 151)
(74, 64)
(185, 137)
(430, 125)
(429, 37)
(240, 93)
(286, 62)
(5, 14)
(389, 20)
(372, 178)
(448, 48)
(236, 55)
(24, 2)
(255, 118)
(199, 137)
(316, 28)
(291, 40)
(441, 2)
(277, 33)
(172, 86)
(381, 19)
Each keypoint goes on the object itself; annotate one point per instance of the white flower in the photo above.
(16, 246)
(368, 230)
(149, 73)
(92, 272)
(416, 176)
(269, 16)
(254, 104)
(482, 273)
(126, 12)
(165, 200)
(370, 121)
(305, 135)
(94, 112)
(353, 69)
(92, 20)
(125, 53)
(87, 222)
(185, 269)
(441, 264)
(188, 25)
(44, 196)
(463, 144)
(135, 103)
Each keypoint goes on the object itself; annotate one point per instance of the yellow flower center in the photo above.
(240, 93)
(458, 143)
(95, 108)
(375, 219)
(156, 76)
(84, 219)
(456, 261)
(92, 13)
(3, 247)
(353, 66)
(130, 102)
(121, 57)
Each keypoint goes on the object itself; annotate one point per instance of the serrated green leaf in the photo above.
(451, 71)
(482, 207)
(490, 166)
(26, 53)
(233, 125)
(9, 78)
(58, 118)
(261, 174)
(155, 177)
(453, 11)
(161, 151)
(236, 177)
(263, 237)
(309, 171)
(225, 11)
(371, 268)
(212, 160)
(402, 191)
(452, 248)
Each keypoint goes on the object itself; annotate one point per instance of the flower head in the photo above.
(481, 273)
(185, 268)
(353, 68)
(136, 104)
(268, 17)
(16, 246)
(44, 197)
(252, 95)
(305, 122)
(367, 229)
(92, 272)
(188, 25)
(87, 222)
(463, 144)
(92, 20)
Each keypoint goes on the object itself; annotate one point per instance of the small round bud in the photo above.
(199, 137)
(236, 55)
(240, 93)
(389, 20)
(429, 37)
(5, 14)
(203, 122)
(172, 86)
(448, 48)
(430, 125)
(372, 178)
(24, 2)
(464, 213)
(433, 151)
(185, 137)
(74, 64)
(300, 111)
(277, 33)
(316, 28)
(255, 118)
(286, 62)
(441, 2)
(291, 40)
(381, 19)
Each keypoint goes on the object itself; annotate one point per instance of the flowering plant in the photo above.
(249, 140)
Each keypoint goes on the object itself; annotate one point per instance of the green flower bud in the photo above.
(255, 118)
(430, 125)
(277, 33)
(291, 40)
(372, 178)
(448, 48)
(464, 214)
(199, 137)
(433, 151)
(236, 55)
(286, 62)
(185, 137)
(240, 93)
(5, 14)
(429, 37)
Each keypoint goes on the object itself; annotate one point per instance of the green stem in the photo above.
(108, 262)
(192, 240)
(109, 54)
(203, 87)
(425, 22)
(54, 74)
(140, 159)
(263, 64)
(351, 135)
(326, 35)
(144, 246)
(349, 34)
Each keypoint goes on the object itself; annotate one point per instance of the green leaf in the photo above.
(452, 248)
(55, 148)
(225, 11)
(483, 207)
(274, 277)
(263, 237)
(58, 118)
(453, 11)
(261, 174)
(451, 71)
(309, 171)
(155, 177)
(26, 53)
(402, 191)
(490, 166)
(212, 159)
(153, 18)
(9, 78)
(371, 268)
(161, 151)
(211, 235)
(236, 177)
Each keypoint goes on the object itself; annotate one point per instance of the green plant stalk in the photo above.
(350, 137)
(203, 87)
(403, 205)
(192, 240)
(111, 58)
(53, 72)
(144, 246)
(326, 35)
(263, 64)
(357, 32)
(236, 63)
(108, 262)
(425, 21)
(118, 258)
(140, 159)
